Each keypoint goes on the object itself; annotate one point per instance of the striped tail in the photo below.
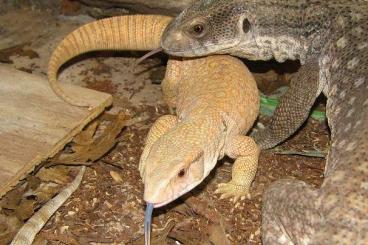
(136, 32)
(29, 230)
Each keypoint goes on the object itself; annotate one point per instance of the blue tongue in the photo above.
(147, 224)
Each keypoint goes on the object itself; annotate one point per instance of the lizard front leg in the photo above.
(294, 106)
(246, 152)
(159, 128)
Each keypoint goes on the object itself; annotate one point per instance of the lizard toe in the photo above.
(234, 191)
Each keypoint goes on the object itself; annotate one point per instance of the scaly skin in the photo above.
(29, 230)
(143, 33)
(330, 40)
(135, 32)
(217, 101)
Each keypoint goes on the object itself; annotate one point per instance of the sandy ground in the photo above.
(106, 211)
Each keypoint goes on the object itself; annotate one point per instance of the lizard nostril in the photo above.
(177, 36)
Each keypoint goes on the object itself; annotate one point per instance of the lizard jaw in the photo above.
(174, 196)
(187, 48)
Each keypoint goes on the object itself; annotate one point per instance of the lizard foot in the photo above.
(234, 191)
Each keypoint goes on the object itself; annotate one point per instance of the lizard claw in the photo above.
(233, 191)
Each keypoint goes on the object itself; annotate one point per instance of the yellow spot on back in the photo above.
(353, 63)
(282, 239)
(338, 175)
(358, 123)
(337, 110)
(336, 64)
(350, 113)
(359, 82)
(356, 16)
(357, 31)
(347, 127)
(341, 21)
(341, 144)
(351, 146)
(341, 43)
(362, 45)
(333, 90)
(352, 100)
(362, 168)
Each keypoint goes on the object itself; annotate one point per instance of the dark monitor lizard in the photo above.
(330, 38)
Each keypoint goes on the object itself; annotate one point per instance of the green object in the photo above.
(268, 106)
(311, 153)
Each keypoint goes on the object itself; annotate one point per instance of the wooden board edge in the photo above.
(28, 168)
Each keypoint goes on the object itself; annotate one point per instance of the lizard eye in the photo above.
(181, 173)
(197, 30)
(246, 25)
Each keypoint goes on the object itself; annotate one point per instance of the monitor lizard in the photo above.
(208, 93)
(28, 232)
(330, 38)
(217, 101)
(206, 100)
(129, 32)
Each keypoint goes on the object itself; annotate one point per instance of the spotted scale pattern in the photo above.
(330, 40)
(337, 213)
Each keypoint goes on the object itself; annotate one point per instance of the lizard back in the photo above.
(237, 99)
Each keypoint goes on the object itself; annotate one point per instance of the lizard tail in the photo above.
(137, 32)
(29, 230)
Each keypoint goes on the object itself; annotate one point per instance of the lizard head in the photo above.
(247, 29)
(180, 160)
(168, 176)
(207, 27)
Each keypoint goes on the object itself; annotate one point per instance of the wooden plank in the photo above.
(35, 124)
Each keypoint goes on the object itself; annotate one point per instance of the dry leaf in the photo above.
(12, 199)
(33, 182)
(217, 235)
(159, 237)
(85, 137)
(87, 148)
(185, 234)
(116, 177)
(53, 180)
(9, 226)
(46, 191)
(25, 209)
(57, 174)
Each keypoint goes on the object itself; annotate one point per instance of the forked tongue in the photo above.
(149, 54)
(147, 224)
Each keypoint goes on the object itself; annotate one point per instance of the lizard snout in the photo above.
(174, 43)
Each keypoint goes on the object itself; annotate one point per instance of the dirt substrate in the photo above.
(107, 209)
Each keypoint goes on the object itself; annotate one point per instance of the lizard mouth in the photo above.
(194, 50)
(174, 197)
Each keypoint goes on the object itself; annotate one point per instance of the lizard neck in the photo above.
(280, 48)
(282, 31)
